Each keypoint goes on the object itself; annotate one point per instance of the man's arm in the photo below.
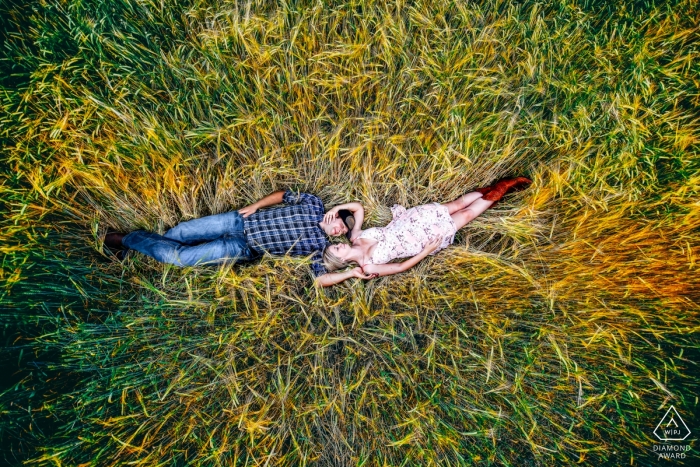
(358, 212)
(332, 278)
(269, 200)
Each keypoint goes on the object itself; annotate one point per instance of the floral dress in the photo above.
(410, 231)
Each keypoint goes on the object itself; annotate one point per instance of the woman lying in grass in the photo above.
(415, 233)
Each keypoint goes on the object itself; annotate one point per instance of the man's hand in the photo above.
(360, 274)
(332, 278)
(330, 215)
(248, 210)
(270, 200)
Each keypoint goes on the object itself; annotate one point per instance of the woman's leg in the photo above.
(206, 229)
(463, 217)
(493, 194)
(462, 202)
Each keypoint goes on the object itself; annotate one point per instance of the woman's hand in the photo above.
(330, 215)
(248, 210)
(432, 244)
(332, 278)
(360, 274)
(380, 270)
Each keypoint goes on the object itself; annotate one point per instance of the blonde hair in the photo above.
(332, 263)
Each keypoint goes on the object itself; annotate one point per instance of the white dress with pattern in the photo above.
(409, 231)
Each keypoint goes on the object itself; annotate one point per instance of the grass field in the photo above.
(557, 329)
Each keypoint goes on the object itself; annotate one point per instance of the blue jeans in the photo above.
(210, 240)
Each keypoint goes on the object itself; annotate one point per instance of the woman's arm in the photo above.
(269, 200)
(332, 278)
(358, 212)
(395, 268)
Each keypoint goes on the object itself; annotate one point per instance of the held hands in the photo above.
(248, 210)
(360, 274)
(330, 215)
(432, 244)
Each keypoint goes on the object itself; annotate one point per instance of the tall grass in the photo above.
(555, 330)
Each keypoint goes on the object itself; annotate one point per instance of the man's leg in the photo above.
(206, 229)
(166, 250)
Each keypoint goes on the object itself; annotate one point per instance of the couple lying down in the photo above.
(302, 228)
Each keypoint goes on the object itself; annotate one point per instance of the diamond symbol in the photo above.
(672, 427)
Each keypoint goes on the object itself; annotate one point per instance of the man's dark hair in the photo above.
(348, 219)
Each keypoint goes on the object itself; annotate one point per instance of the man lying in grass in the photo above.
(300, 228)
(415, 233)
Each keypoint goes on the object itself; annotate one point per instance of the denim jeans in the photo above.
(210, 240)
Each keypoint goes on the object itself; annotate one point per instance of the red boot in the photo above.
(485, 189)
(505, 186)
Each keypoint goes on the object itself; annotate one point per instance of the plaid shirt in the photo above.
(292, 229)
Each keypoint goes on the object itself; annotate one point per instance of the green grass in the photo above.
(556, 330)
